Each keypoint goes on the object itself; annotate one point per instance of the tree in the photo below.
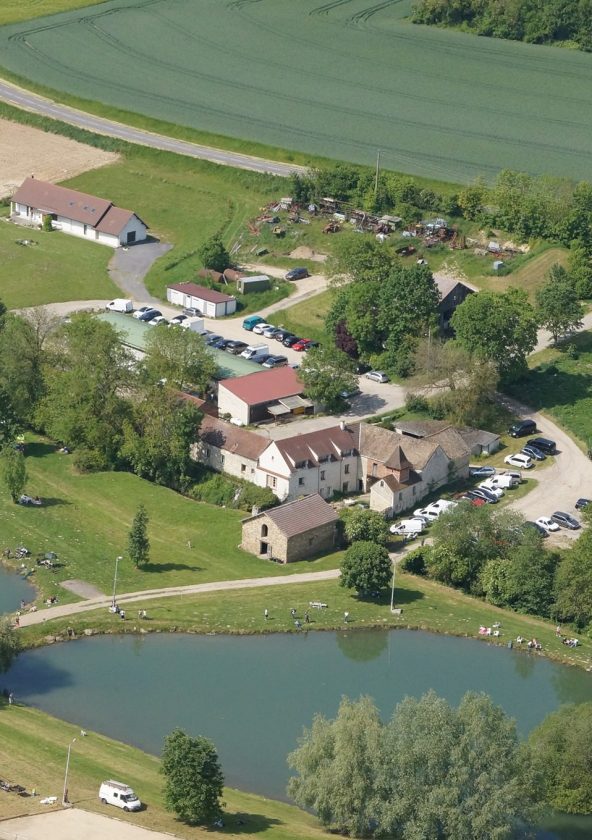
(366, 567)
(573, 583)
(158, 436)
(360, 258)
(213, 254)
(9, 423)
(365, 525)
(561, 751)
(138, 545)
(580, 268)
(557, 306)
(181, 357)
(9, 645)
(194, 779)
(23, 354)
(501, 328)
(432, 771)
(13, 471)
(327, 372)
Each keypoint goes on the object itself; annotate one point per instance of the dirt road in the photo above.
(73, 824)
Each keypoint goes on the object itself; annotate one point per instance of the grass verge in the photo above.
(32, 753)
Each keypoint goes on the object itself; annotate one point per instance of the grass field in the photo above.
(33, 746)
(340, 79)
(56, 268)
(562, 387)
(86, 521)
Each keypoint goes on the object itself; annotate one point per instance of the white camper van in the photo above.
(116, 793)
(120, 305)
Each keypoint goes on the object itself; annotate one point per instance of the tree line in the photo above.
(533, 21)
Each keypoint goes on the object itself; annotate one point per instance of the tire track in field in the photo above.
(289, 99)
(328, 7)
(366, 14)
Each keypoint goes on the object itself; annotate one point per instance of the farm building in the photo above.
(263, 395)
(253, 284)
(452, 294)
(209, 302)
(293, 531)
(478, 441)
(76, 213)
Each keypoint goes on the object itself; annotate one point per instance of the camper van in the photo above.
(120, 305)
(116, 793)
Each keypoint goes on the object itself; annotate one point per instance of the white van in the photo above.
(255, 351)
(503, 481)
(116, 793)
(120, 305)
(408, 527)
(194, 325)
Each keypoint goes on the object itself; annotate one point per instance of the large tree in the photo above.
(557, 306)
(213, 254)
(561, 750)
(179, 356)
(86, 382)
(13, 471)
(194, 779)
(432, 771)
(361, 259)
(501, 328)
(9, 645)
(366, 525)
(327, 372)
(9, 422)
(366, 567)
(157, 438)
(573, 583)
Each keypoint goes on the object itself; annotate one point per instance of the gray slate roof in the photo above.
(302, 515)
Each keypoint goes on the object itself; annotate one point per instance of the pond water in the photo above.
(13, 589)
(252, 695)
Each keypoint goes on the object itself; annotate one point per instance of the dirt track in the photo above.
(74, 824)
(28, 151)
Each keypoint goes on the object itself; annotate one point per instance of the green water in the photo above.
(13, 589)
(253, 695)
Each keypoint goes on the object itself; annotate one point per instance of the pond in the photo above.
(252, 695)
(13, 590)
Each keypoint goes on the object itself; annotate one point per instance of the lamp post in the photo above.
(65, 793)
(393, 588)
(117, 559)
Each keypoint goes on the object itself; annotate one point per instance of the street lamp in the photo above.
(65, 793)
(117, 559)
(393, 588)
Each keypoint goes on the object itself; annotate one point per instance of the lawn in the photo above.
(561, 387)
(439, 103)
(306, 318)
(32, 753)
(86, 521)
(57, 267)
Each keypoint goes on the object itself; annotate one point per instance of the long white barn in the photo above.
(77, 213)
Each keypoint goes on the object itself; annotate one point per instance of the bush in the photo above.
(89, 461)
(47, 225)
(416, 402)
(414, 562)
(215, 490)
(223, 491)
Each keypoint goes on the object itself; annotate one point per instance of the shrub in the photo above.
(89, 461)
(416, 402)
(47, 225)
(414, 562)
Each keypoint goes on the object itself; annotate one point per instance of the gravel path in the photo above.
(103, 601)
(73, 824)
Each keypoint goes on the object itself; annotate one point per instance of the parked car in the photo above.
(506, 482)
(566, 520)
(192, 312)
(139, 312)
(424, 513)
(362, 367)
(275, 361)
(178, 319)
(513, 474)
(497, 491)
(281, 334)
(301, 345)
(290, 341)
(116, 793)
(533, 453)
(547, 523)
(120, 305)
(150, 314)
(235, 347)
(251, 320)
(549, 447)
(469, 496)
(271, 332)
(519, 460)
(538, 528)
(582, 503)
(159, 321)
(408, 527)
(481, 472)
(297, 274)
(213, 338)
(347, 395)
(221, 343)
(376, 376)
(486, 495)
(258, 328)
(522, 428)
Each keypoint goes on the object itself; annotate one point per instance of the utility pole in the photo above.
(117, 559)
(393, 589)
(377, 173)
(65, 793)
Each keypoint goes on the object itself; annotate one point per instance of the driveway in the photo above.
(128, 267)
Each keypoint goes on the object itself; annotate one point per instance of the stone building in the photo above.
(293, 531)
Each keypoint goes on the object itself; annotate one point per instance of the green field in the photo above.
(86, 519)
(340, 79)
(57, 267)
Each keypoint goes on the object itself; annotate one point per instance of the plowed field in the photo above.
(341, 78)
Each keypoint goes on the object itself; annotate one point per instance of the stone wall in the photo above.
(299, 547)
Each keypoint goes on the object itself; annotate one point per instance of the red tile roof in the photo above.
(87, 209)
(211, 295)
(265, 386)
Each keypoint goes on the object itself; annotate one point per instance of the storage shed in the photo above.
(293, 531)
(211, 303)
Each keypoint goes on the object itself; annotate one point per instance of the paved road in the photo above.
(129, 266)
(104, 601)
(22, 98)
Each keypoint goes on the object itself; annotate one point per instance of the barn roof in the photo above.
(201, 292)
(302, 515)
(264, 386)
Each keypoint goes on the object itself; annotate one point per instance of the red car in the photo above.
(302, 344)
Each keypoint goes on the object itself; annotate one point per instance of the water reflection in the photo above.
(362, 646)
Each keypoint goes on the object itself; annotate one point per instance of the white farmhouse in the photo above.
(76, 213)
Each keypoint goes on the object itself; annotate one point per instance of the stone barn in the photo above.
(293, 531)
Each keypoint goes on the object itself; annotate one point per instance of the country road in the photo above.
(21, 98)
